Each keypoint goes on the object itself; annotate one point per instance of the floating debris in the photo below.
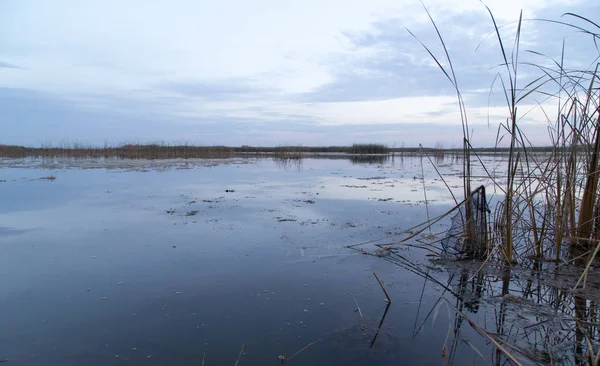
(286, 220)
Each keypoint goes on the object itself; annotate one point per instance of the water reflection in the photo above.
(85, 288)
(521, 314)
(284, 163)
(297, 162)
(537, 315)
(385, 312)
(369, 159)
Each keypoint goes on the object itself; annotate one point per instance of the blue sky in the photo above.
(266, 72)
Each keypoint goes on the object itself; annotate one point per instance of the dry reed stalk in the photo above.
(441, 177)
(512, 100)
(384, 291)
(305, 348)
(586, 270)
(450, 74)
(358, 308)
(240, 355)
(427, 224)
(588, 201)
(424, 190)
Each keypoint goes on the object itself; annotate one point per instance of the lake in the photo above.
(191, 262)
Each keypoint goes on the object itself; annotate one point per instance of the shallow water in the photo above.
(171, 264)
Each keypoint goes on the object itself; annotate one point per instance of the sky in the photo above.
(270, 72)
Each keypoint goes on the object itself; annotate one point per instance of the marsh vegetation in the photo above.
(494, 250)
(532, 252)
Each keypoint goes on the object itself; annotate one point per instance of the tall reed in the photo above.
(550, 196)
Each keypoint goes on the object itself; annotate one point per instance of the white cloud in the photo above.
(84, 51)
(73, 45)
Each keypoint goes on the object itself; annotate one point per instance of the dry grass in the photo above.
(550, 206)
(550, 195)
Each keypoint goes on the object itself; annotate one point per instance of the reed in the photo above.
(289, 152)
(164, 150)
(550, 195)
(549, 208)
(158, 150)
(368, 149)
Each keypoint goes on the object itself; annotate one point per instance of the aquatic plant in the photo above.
(546, 218)
(368, 149)
(550, 200)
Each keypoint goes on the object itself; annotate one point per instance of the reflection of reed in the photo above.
(294, 159)
(536, 319)
(289, 163)
(387, 307)
(537, 316)
(369, 159)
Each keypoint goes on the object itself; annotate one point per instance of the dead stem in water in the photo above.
(383, 288)
(358, 308)
(305, 348)
(240, 355)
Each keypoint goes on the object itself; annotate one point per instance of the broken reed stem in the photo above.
(439, 175)
(357, 307)
(585, 272)
(468, 218)
(240, 355)
(428, 223)
(423, 226)
(305, 348)
(424, 188)
(367, 242)
(384, 291)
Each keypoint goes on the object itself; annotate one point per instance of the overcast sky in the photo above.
(265, 72)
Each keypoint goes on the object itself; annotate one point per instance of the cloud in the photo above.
(223, 90)
(6, 65)
(184, 69)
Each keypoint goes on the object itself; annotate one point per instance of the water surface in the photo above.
(167, 264)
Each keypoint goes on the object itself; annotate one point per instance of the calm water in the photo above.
(166, 265)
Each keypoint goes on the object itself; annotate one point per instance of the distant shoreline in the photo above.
(164, 151)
